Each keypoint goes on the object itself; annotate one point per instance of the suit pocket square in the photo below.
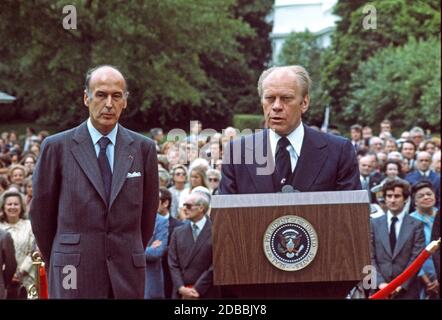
(133, 174)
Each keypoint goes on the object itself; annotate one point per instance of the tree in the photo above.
(302, 48)
(398, 84)
(352, 44)
(161, 46)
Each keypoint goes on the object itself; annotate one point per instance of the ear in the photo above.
(85, 99)
(305, 103)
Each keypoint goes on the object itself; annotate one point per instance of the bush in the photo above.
(401, 84)
(247, 121)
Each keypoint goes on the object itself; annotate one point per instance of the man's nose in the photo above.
(277, 104)
(109, 100)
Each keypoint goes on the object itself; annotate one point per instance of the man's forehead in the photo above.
(395, 191)
(106, 76)
(278, 76)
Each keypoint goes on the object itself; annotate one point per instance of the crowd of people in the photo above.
(193, 166)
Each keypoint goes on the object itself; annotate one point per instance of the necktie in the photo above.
(103, 162)
(283, 164)
(195, 231)
(364, 183)
(393, 233)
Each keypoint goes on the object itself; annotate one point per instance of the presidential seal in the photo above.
(290, 243)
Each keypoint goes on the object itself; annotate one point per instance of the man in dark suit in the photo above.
(94, 199)
(397, 239)
(8, 264)
(288, 155)
(190, 252)
(164, 210)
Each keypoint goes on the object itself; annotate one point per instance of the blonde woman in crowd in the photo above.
(12, 220)
(197, 177)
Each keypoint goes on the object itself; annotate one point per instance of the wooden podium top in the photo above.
(289, 199)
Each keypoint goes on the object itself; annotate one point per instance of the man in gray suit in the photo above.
(8, 264)
(397, 239)
(94, 199)
(190, 252)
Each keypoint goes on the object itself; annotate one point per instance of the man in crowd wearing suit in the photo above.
(408, 151)
(190, 252)
(397, 239)
(288, 155)
(356, 137)
(95, 197)
(424, 172)
(164, 210)
(8, 264)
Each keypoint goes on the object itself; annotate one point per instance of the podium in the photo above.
(338, 225)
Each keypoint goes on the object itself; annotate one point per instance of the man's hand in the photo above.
(188, 293)
(156, 244)
(382, 285)
(432, 288)
(396, 292)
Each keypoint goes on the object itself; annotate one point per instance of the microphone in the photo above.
(287, 188)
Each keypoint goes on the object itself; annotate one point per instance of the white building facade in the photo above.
(300, 15)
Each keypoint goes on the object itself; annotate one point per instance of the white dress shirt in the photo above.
(397, 226)
(295, 137)
(201, 223)
(96, 135)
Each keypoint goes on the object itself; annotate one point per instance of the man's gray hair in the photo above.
(417, 130)
(202, 199)
(301, 74)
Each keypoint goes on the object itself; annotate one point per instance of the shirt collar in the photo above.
(295, 137)
(201, 223)
(424, 173)
(96, 135)
(400, 216)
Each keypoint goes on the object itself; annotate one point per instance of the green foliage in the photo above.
(401, 84)
(302, 48)
(352, 44)
(183, 59)
(247, 121)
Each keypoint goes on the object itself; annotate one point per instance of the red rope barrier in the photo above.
(43, 283)
(411, 270)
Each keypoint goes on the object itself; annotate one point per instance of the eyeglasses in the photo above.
(213, 179)
(189, 206)
(180, 174)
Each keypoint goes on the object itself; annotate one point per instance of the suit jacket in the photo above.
(103, 245)
(154, 271)
(410, 243)
(190, 262)
(173, 223)
(326, 163)
(8, 264)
